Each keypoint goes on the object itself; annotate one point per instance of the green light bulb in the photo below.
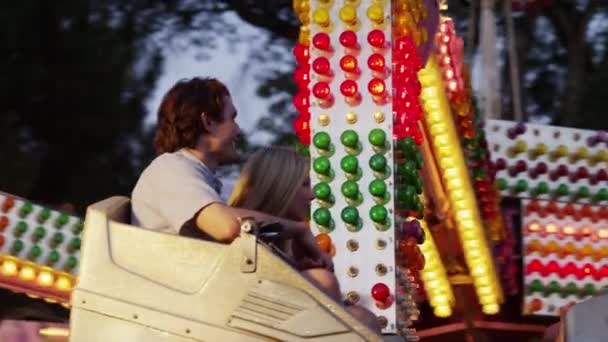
(56, 240)
(71, 263)
(407, 169)
(377, 162)
(377, 188)
(39, 234)
(17, 247)
(350, 215)
(322, 141)
(53, 258)
(322, 217)
(589, 289)
(502, 184)
(602, 195)
(570, 289)
(322, 191)
(583, 192)
(378, 214)
(26, 209)
(407, 194)
(553, 287)
(349, 164)
(322, 166)
(407, 146)
(542, 188)
(44, 215)
(34, 253)
(535, 286)
(377, 137)
(74, 245)
(20, 229)
(350, 189)
(349, 138)
(521, 186)
(562, 190)
(61, 221)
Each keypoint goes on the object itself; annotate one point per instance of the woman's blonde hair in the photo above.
(269, 180)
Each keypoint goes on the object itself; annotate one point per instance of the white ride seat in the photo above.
(140, 285)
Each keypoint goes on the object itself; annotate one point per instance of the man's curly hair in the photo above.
(179, 114)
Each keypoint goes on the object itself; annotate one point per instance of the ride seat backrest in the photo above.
(171, 261)
(121, 214)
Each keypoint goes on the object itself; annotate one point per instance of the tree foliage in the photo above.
(76, 75)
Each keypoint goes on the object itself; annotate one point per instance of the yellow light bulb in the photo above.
(351, 118)
(348, 15)
(490, 309)
(443, 311)
(9, 268)
(375, 13)
(324, 119)
(27, 273)
(304, 18)
(304, 37)
(321, 17)
(45, 278)
(487, 300)
(63, 284)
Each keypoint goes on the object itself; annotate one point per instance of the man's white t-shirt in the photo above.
(171, 190)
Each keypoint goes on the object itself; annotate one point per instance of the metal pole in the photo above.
(513, 64)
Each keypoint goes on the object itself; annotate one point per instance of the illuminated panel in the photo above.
(549, 162)
(39, 249)
(564, 250)
(436, 283)
(454, 173)
(450, 57)
(358, 109)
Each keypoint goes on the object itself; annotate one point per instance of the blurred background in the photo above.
(81, 79)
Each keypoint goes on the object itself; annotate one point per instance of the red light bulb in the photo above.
(322, 92)
(550, 268)
(381, 292)
(348, 39)
(350, 90)
(500, 164)
(321, 66)
(376, 62)
(569, 269)
(377, 88)
(603, 272)
(322, 41)
(302, 102)
(586, 270)
(376, 39)
(349, 65)
(533, 207)
(302, 128)
(301, 77)
(302, 54)
(520, 166)
(533, 267)
(300, 125)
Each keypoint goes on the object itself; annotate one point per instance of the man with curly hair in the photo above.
(179, 193)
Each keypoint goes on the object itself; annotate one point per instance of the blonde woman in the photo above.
(275, 181)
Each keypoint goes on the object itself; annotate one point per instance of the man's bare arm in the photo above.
(220, 222)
